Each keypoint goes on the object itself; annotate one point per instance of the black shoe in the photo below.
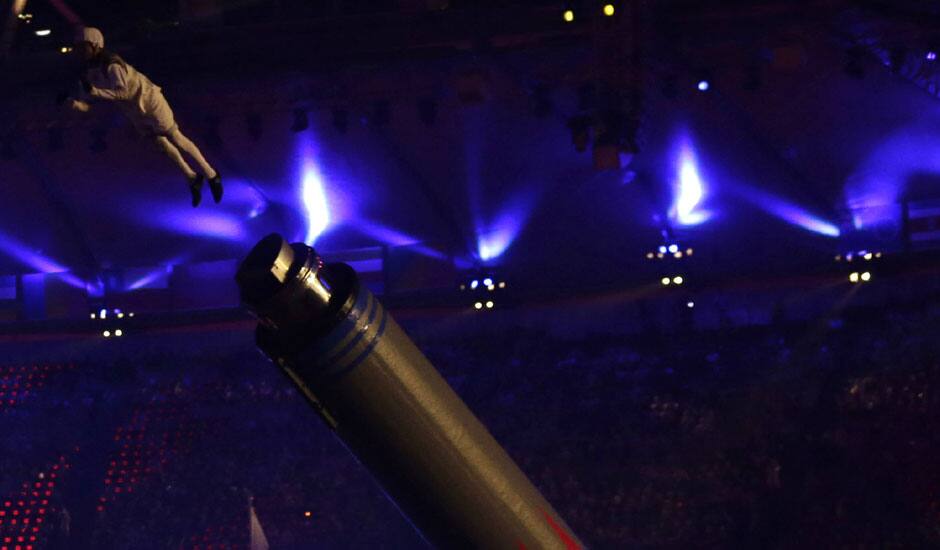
(215, 185)
(195, 187)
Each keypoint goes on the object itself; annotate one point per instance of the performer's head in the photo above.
(88, 42)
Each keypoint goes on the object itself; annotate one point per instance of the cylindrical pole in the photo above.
(389, 405)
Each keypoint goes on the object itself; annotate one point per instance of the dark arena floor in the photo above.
(437, 273)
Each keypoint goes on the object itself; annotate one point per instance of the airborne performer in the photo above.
(105, 76)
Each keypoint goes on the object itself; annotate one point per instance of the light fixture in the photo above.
(609, 10)
(688, 251)
(491, 288)
(119, 332)
(678, 280)
(106, 334)
(853, 277)
(703, 85)
(568, 16)
(502, 284)
(93, 316)
(677, 255)
(120, 315)
(690, 305)
(489, 305)
(43, 32)
(103, 313)
(308, 513)
(866, 276)
(660, 255)
(673, 248)
(650, 255)
(666, 281)
(131, 314)
(478, 305)
(487, 282)
(663, 249)
(474, 284)
(931, 56)
(868, 256)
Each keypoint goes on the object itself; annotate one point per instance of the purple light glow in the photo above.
(312, 193)
(788, 212)
(689, 189)
(931, 56)
(156, 274)
(37, 261)
(495, 238)
(393, 237)
(873, 191)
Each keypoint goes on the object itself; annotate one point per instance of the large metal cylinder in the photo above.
(389, 405)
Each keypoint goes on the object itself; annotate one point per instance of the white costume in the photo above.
(110, 78)
(134, 94)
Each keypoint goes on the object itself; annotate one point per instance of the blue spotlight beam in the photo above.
(51, 191)
(23, 253)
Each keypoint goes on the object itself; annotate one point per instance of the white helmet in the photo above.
(90, 34)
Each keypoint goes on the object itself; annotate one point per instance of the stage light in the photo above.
(93, 316)
(478, 305)
(660, 255)
(502, 284)
(678, 280)
(666, 281)
(120, 315)
(43, 32)
(569, 16)
(931, 56)
(463, 287)
(869, 256)
(131, 314)
(488, 282)
(489, 305)
(491, 288)
(688, 251)
(662, 249)
(677, 255)
(673, 248)
(474, 284)
(703, 85)
(106, 334)
(103, 313)
(307, 514)
(690, 305)
(65, 49)
(609, 10)
(866, 276)
(650, 255)
(838, 257)
(878, 254)
(849, 257)
(119, 332)
(853, 277)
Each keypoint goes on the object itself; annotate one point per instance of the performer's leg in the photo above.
(195, 180)
(190, 148)
(171, 151)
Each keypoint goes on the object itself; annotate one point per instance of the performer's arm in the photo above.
(118, 86)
